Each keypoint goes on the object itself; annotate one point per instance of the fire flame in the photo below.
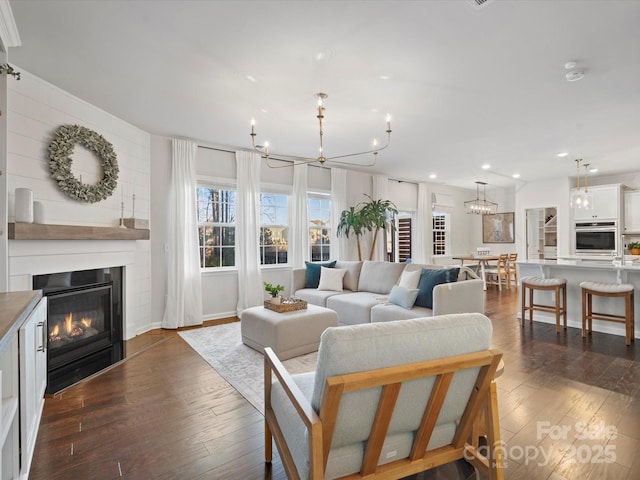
(68, 323)
(86, 322)
(55, 330)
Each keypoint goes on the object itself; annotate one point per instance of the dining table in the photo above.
(481, 261)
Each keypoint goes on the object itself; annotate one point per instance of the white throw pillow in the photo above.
(410, 279)
(331, 279)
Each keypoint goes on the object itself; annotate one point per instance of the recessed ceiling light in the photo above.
(516, 175)
(251, 79)
(574, 76)
(384, 77)
(593, 170)
(433, 175)
(486, 166)
(263, 110)
(570, 65)
(563, 154)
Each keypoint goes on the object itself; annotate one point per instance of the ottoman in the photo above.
(289, 334)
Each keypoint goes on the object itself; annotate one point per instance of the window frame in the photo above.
(323, 196)
(208, 183)
(268, 190)
(404, 214)
(446, 232)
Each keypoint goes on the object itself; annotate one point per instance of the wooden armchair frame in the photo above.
(480, 417)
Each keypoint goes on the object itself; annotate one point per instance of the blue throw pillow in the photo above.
(429, 278)
(313, 273)
(403, 297)
(453, 274)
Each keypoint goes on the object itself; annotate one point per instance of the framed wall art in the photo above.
(498, 228)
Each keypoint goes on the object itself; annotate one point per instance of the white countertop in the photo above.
(631, 263)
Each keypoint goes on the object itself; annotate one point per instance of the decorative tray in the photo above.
(285, 307)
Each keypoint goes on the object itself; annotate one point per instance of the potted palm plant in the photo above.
(378, 214)
(352, 221)
(274, 291)
(370, 216)
(634, 248)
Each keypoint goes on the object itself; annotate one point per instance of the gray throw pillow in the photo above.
(403, 297)
(379, 277)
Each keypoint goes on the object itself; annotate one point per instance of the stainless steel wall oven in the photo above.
(596, 238)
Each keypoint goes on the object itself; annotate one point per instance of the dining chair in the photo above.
(513, 269)
(500, 273)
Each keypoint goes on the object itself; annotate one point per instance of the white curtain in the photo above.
(299, 231)
(250, 289)
(184, 293)
(339, 245)
(420, 244)
(380, 193)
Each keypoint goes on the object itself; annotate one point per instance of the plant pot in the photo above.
(634, 251)
(276, 300)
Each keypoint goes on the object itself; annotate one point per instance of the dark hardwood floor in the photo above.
(569, 409)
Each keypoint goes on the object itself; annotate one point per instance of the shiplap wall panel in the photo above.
(35, 110)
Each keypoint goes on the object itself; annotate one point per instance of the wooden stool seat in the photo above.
(589, 289)
(558, 285)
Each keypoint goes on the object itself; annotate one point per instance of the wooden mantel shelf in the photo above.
(36, 231)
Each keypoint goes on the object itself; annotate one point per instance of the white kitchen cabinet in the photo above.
(604, 204)
(632, 212)
(22, 375)
(33, 379)
(9, 426)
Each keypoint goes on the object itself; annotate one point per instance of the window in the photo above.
(440, 234)
(399, 238)
(274, 228)
(404, 238)
(319, 208)
(216, 226)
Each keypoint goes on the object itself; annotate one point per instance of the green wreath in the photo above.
(60, 151)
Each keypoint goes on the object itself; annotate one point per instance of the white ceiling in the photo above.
(466, 85)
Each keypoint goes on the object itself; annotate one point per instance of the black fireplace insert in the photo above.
(84, 323)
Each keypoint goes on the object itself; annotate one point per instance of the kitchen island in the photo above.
(578, 270)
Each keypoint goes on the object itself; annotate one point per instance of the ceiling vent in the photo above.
(479, 3)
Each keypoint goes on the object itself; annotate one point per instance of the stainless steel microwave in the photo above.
(596, 238)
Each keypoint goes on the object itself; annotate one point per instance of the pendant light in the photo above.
(580, 198)
(478, 206)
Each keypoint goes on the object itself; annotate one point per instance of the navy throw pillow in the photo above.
(453, 274)
(313, 273)
(429, 278)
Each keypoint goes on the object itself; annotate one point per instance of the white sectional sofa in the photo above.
(367, 285)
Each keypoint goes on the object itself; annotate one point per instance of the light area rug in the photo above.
(243, 367)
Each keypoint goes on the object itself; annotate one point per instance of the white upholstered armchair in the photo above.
(388, 400)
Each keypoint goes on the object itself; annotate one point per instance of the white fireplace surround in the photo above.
(38, 257)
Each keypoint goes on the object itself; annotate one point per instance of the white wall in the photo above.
(542, 194)
(630, 180)
(35, 109)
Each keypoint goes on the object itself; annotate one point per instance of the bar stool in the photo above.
(589, 289)
(558, 285)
